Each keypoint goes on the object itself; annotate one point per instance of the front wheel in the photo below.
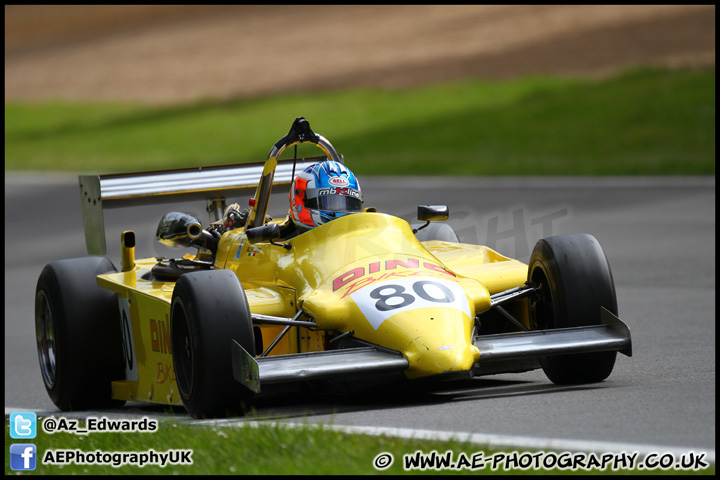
(209, 310)
(576, 282)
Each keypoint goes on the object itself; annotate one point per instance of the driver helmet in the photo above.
(324, 192)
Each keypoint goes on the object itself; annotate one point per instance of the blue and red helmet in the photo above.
(323, 192)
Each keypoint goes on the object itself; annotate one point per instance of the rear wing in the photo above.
(213, 184)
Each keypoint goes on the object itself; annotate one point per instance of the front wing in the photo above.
(501, 353)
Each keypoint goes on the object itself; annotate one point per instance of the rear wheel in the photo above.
(209, 310)
(78, 335)
(576, 282)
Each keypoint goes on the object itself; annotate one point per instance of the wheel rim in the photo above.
(45, 337)
(182, 351)
(542, 313)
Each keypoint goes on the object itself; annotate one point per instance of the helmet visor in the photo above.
(339, 203)
(339, 200)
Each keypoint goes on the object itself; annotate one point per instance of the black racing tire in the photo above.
(78, 334)
(576, 282)
(436, 231)
(209, 310)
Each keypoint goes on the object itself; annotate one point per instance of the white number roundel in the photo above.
(381, 300)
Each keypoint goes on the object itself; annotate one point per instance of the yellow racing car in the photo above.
(334, 294)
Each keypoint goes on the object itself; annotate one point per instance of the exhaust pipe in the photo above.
(177, 229)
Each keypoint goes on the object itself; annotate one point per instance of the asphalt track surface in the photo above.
(659, 236)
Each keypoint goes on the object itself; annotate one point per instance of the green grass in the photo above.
(645, 122)
(280, 450)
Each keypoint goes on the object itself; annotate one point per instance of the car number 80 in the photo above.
(424, 289)
(378, 302)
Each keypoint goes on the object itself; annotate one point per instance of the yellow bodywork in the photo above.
(145, 320)
(365, 272)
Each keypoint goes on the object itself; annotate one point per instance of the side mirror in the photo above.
(264, 233)
(433, 213)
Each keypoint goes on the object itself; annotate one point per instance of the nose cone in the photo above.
(433, 340)
(425, 314)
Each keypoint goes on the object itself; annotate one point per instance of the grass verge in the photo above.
(650, 122)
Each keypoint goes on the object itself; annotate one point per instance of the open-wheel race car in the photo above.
(362, 299)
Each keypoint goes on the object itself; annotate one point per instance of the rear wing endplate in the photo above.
(213, 184)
